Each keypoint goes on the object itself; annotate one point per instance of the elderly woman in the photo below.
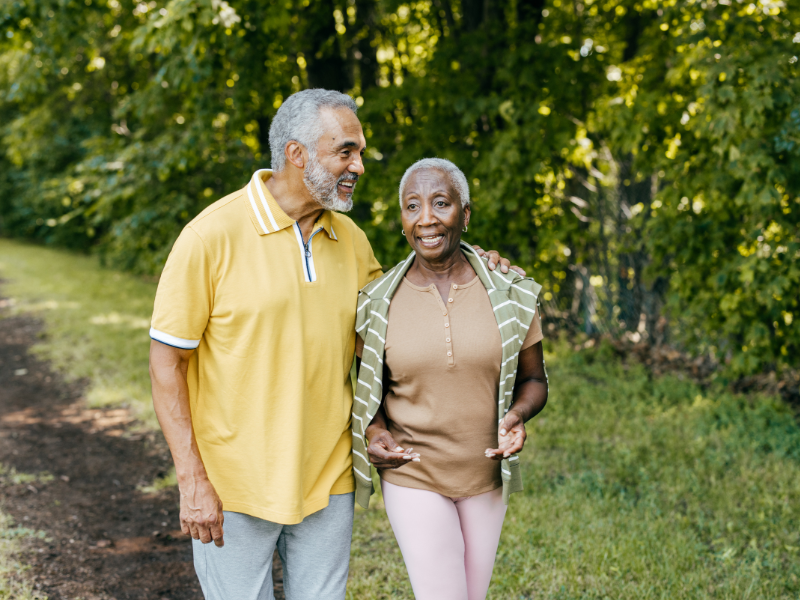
(451, 370)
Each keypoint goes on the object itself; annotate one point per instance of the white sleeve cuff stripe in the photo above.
(171, 340)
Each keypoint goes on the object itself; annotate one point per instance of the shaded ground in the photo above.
(105, 539)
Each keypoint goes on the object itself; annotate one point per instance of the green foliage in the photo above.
(639, 158)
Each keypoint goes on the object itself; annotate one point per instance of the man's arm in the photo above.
(200, 508)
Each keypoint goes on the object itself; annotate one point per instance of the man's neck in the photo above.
(295, 201)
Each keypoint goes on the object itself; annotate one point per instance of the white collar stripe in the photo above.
(255, 209)
(256, 182)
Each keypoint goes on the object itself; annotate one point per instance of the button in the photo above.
(447, 324)
(449, 354)
(447, 340)
(455, 287)
(449, 299)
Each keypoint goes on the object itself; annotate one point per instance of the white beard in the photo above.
(324, 187)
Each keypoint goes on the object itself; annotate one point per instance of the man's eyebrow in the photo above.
(348, 144)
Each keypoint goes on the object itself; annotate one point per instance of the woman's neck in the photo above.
(454, 268)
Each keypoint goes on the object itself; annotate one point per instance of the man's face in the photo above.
(333, 170)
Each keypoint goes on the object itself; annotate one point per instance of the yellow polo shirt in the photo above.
(274, 328)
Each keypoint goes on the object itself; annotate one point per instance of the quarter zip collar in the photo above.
(306, 253)
(267, 215)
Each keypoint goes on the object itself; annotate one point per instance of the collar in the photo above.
(266, 214)
(492, 280)
(326, 222)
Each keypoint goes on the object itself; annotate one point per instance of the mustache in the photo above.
(348, 176)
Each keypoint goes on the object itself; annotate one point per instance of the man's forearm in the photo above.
(168, 367)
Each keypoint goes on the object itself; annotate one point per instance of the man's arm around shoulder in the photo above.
(200, 508)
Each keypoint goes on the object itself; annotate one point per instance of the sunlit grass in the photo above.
(96, 320)
(9, 475)
(635, 488)
(170, 480)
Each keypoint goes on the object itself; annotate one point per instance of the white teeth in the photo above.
(431, 238)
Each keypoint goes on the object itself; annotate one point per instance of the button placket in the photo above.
(448, 334)
(451, 361)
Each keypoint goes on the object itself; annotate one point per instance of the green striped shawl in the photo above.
(514, 299)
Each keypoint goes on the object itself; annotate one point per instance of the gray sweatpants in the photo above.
(315, 556)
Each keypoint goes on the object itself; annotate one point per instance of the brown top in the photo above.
(442, 375)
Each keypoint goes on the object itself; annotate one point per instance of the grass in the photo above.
(640, 489)
(13, 584)
(636, 488)
(96, 320)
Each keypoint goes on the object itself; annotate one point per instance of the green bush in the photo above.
(640, 159)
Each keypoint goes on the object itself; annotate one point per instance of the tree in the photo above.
(638, 158)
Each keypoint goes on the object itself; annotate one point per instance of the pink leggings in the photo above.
(448, 544)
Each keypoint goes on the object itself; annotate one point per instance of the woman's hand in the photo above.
(511, 435)
(384, 453)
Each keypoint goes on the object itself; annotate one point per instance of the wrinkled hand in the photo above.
(384, 453)
(201, 512)
(510, 435)
(494, 259)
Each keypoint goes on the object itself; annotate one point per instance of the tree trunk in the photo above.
(472, 14)
(326, 67)
(529, 12)
(366, 53)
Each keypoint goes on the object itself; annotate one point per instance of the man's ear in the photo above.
(296, 154)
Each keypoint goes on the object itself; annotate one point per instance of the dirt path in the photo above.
(106, 540)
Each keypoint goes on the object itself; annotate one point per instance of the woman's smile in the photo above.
(431, 241)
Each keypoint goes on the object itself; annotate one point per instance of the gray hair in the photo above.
(457, 178)
(298, 120)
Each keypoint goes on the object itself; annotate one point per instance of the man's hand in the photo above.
(494, 259)
(511, 435)
(201, 511)
(384, 453)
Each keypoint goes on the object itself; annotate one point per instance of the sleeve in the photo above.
(369, 267)
(534, 335)
(185, 294)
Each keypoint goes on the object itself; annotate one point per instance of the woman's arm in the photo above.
(530, 396)
(384, 453)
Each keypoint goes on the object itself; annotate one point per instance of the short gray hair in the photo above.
(457, 178)
(298, 120)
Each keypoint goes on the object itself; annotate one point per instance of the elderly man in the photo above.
(253, 340)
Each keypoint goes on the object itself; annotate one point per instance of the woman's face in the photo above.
(432, 215)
